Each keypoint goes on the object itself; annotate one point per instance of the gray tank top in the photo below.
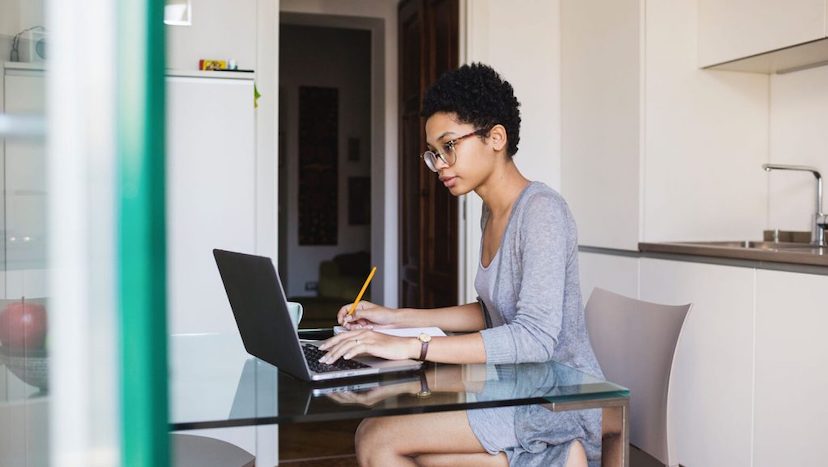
(484, 285)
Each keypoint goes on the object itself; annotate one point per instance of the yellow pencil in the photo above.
(361, 292)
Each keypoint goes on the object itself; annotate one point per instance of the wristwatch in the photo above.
(424, 340)
(424, 389)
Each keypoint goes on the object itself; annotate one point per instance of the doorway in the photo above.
(429, 223)
(324, 166)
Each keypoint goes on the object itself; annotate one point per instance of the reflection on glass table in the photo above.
(214, 383)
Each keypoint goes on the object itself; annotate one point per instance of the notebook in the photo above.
(432, 331)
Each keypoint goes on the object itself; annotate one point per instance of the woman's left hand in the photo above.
(349, 344)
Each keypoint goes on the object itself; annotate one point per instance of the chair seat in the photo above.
(201, 451)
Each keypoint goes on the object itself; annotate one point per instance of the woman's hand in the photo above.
(368, 316)
(373, 396)
(349, 344)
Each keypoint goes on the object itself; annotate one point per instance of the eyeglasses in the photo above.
(447, 155)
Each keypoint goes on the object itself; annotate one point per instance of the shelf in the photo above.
(785, 60)
(212, 74)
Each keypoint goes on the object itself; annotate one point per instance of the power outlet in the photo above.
(312, 286)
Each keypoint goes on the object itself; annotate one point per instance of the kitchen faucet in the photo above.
(817, 231)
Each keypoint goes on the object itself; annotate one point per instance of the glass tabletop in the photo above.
(215, 383)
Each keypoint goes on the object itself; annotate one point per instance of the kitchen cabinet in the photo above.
(791, 358)
(748, 379)
(23, 187)
(734, 29)
(710, 406)
(617, 274)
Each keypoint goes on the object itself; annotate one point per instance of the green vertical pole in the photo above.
(141, 236)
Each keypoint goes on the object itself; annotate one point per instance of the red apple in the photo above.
(23, 325)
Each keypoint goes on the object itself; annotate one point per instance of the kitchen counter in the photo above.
(787, 253)
(802, 259)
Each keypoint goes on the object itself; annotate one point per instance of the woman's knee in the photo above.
(371, 441)
(577, 455)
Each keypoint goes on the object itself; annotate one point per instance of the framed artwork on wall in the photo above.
(318, 168)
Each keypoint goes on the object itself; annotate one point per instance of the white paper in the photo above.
(432, 331)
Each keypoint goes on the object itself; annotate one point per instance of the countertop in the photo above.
(767, 252)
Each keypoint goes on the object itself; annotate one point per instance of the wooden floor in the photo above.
(324, 444)
(331, 444)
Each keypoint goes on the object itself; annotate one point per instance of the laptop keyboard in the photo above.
(313, 354)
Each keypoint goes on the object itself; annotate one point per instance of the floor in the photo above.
(299, 446)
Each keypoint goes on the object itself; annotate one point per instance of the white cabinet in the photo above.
(211, 194)
(617, 274)
(22, 189)
(791, 362)
(710, 408)
(733, 29)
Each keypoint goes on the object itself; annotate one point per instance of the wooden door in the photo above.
(428, 212)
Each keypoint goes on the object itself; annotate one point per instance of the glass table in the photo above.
(214, 383)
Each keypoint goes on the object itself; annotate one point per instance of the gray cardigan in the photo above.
(537, 295)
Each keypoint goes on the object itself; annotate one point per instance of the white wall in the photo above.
(798, 123)
(528, 56)
(332, 58)
(683, 161)
(600, 119)
(521, 40)
(705, 138)
(16, 15)
(380, 16)
(9, 19)
(219, 30)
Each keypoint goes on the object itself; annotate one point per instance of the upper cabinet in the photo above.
(733, 30)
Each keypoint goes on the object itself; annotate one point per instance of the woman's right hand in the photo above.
(367, 316)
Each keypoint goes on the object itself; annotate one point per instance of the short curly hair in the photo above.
(477, 95)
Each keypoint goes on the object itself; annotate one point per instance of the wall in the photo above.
(15, 16)
(798, 119)
(528, 56)
(336, 58)
(601, 117)
(705, 138)
(380, 17)
(219, 30)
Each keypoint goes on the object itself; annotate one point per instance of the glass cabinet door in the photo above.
(24, 381)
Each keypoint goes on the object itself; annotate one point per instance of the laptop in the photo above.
(260, 308)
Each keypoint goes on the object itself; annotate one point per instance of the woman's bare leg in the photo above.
(440, 439)
(396, 441)
(462, 460)
(577, 458)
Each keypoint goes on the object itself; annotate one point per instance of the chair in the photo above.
(201, 451)
(634, 342)
(340, 280)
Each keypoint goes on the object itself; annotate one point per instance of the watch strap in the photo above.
(423, 350)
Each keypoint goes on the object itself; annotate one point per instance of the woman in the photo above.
(529, 307)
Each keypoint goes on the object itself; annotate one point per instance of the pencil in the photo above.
(361, 292)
